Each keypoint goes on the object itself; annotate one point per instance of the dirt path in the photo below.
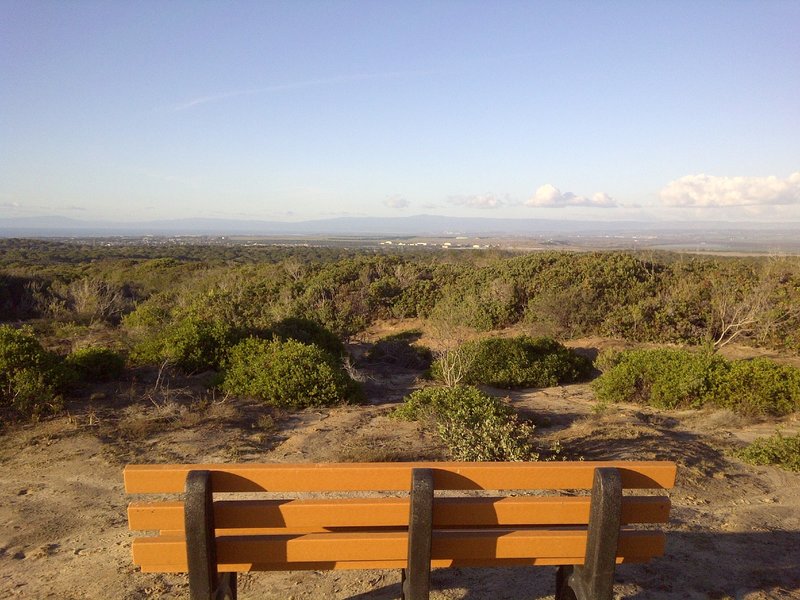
(735, 530)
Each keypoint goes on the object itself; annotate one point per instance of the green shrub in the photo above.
(30, 376)
(287, 374)
(758, 387)
(191, 344)
(308, 332)
(457, 306)
(149, 315)
(670, 378)
(520, 362)
(665, 378)
(96, 364)
(417, 300)
(474, 426)
(774, 450)
(397, 350)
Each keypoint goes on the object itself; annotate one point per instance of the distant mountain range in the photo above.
(422, 225)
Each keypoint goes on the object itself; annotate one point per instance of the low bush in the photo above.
(473, 425)
(665, 378)
(287, 374)
(520, 362)
(31, 378)
(96, 364)
(308, 332)
(672, 378)
(758, 387)
(397, 350)
(191, 344)
(774, 450)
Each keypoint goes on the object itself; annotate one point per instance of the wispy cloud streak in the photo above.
(297, 85)
(481, 201)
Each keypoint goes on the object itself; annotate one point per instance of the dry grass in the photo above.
(382, 448)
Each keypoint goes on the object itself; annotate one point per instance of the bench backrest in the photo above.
(371, 531)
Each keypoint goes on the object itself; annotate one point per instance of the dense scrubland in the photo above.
(275, 324)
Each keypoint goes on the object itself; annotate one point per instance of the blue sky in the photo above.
(295, 110)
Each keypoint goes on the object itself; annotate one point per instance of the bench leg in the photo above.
(416, 577)
(563, 589)
(594, 580)
(204, 581)
(227, 587)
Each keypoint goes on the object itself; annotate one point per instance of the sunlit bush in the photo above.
(31, 378)
(758, 387)
(190, 344)
(287, 374)
(672, 378)
(774, 450)
(473, 425)
(665, 377)
(520, 362)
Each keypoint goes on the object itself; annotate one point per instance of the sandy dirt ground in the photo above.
(734, 531)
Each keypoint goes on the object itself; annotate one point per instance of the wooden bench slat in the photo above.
(388, 564)
(478, 546)
(391, 512)
(146, 479)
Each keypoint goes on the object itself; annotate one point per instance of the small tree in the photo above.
(97, 300)
(739, 309)
(449, 327)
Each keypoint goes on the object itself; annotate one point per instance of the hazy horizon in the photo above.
(287, 112)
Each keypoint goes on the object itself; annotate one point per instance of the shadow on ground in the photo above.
(733, 565)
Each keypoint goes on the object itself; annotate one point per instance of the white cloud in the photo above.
(708, 191)
(482, 201)
(549, 196)
(396, 202)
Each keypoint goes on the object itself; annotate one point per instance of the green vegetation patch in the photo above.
(473, 425)
(308, 332)
(518, 362)
(398, 350)
(774, 450)
(758, 387)
(31, 378)
(664, 378)
(672, 378)
(288, 374)
(192, 344)
(96, 364)
(653, 297)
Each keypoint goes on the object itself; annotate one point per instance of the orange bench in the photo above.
(213, 539)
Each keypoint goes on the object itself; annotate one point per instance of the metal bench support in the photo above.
(416, 577)
(594, 580)
(204, 581)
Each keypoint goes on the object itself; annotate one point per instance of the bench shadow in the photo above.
(696, 564)
(388, 592)
(722, 565)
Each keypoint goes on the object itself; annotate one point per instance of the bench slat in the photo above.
(453, 545)
(388, 564)
(147, 479)
(393, 512)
